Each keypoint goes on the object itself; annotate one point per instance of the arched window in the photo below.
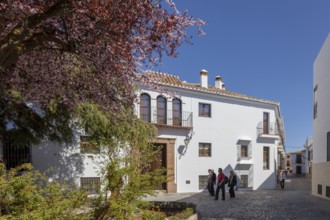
(177, 112)
(145, 107)
(161, 110)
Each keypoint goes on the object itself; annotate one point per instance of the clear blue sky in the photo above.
(261, 48)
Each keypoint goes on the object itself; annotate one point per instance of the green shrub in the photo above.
(26, 194)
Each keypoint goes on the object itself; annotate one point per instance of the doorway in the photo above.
(159, 162)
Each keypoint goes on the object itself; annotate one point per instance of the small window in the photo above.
(88, 146)
(203, 181)
(204, 149)
(328, 146)
(319, 189)
(204, 110)
(327, 191)
(244, 151)
(298, 158)
(315, 102)
(266, 158)
(92, 184)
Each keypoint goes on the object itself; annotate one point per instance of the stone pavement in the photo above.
(293, 202)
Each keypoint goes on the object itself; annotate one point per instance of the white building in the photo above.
(309, 155)
(298, 161)
(205, 127)
(321, 123)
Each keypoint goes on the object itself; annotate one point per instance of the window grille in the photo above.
(327, 191)
(204, 150)
(266, 158)
(14, 156)
(203, 181)
(319, 189)
(244, 151)
(92, 184)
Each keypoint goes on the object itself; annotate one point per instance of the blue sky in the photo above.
(261, 48)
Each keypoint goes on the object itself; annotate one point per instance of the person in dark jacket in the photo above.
(232, 183)
(211, 181)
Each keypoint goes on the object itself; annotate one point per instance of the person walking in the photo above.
(232, 183)
(282, 178)
(211, 181)
(220, 185)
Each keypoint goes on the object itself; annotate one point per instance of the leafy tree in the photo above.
(126, 146)
(26, 194)
(58, 53)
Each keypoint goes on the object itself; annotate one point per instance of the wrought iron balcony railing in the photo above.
(167, 117)
(270, 128)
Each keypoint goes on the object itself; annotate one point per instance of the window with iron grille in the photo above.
(266, 158)
(88, 146)
(91, 184)
(204, 110)
(203, 181)
(327, 191)
(244, 151)
(14, 155)
(204, 150)
(319, 189)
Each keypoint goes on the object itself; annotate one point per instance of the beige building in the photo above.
(321, 123)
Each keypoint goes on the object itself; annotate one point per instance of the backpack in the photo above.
(226, 179)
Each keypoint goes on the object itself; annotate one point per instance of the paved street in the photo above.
(294, 202)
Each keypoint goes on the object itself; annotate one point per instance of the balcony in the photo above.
(268, 130)
(167, 118)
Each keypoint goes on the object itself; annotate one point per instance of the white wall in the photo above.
(321, 123)
(230, 119)
(65, 161)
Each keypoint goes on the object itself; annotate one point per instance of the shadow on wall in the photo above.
(269, 183)
(64, 160)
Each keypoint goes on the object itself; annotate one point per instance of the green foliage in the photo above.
(126, 143)
(184, 214)
(26, 194)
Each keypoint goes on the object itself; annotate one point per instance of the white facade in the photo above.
(309, 154)
(321, 123)
(65, 161)
(299, 162)
(233, 122)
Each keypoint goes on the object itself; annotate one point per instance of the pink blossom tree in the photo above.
(56, 54)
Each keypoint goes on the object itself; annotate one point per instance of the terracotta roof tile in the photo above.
(174, 81)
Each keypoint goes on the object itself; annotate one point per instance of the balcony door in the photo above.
(266, 123)
(177, 112)
(161, 110)
(145, 107)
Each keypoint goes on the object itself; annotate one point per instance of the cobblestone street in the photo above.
(293, 202)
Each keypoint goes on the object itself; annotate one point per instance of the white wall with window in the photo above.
(69, 162)
(321, 125)
(220, 127)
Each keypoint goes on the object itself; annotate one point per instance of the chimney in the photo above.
(218, 83)
(204, 81)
